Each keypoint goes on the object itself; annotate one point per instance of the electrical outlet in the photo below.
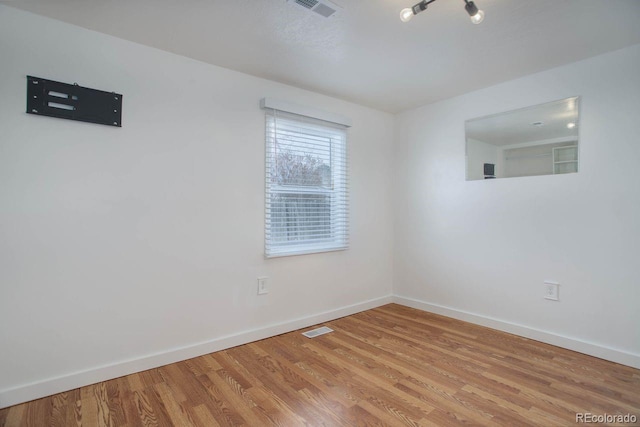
(551, 290)
(263, 287)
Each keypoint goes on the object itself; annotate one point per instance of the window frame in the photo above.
(337, 192)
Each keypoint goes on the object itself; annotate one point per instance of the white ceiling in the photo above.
(365, 54)
(517, 127)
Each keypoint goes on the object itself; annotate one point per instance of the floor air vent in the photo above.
(324, 8)
(317, 332)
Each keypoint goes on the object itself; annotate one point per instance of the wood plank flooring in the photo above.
(390, 366)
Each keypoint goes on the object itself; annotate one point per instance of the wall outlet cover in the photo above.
(551, 290)
(263, 285)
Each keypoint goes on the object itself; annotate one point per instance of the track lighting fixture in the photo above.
(476, 14)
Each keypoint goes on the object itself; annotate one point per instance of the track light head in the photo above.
(477, 16)
(407, 13)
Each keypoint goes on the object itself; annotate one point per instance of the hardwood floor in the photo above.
(389, 366)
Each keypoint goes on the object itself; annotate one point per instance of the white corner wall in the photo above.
(480, 250)
(127, 248)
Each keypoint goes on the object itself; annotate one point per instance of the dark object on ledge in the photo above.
(70, 101)
(489, 169)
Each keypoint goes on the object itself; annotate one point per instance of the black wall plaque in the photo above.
(70, 101)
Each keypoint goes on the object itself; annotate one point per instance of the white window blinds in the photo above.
(307, 203)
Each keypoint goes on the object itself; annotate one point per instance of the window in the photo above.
(306, 185)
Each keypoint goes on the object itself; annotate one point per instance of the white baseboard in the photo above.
(36, 390)
(602, 352)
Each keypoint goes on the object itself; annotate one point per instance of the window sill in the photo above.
(304, 251)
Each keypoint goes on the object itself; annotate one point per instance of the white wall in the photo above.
(119, 245)
(528, 161)
(482, 249)
(479, 153)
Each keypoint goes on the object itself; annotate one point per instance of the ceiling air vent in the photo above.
(324, 8)
(307, 3)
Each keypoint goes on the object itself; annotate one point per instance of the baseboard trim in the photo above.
(36, 390)
(592, 349)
